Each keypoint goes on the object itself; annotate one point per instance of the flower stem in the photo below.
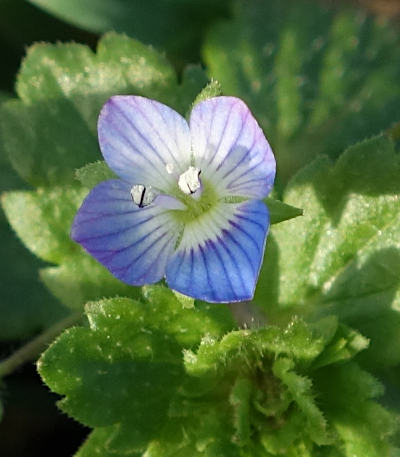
(247, 314)
(33, 348)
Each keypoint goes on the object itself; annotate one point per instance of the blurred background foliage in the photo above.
(278, 85)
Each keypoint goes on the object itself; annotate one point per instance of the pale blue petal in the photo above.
(139, 137)
(230, 148)
(133, 243)
(219, 256)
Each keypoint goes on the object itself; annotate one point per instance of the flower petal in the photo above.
(230, 148)
(139, 137)
(133, 243)
(219, 257)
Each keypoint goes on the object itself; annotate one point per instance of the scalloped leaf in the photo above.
(78, 278)
(343, 256)
(242, 393)
(51, 130)
(128, 363)
(21, 314)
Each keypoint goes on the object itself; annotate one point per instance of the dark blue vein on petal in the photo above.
(226, 273)
(224, 268)
(122, 239)
(139, 133)
(234, 144)
(245, 155)
(223, 132)
(140, 110)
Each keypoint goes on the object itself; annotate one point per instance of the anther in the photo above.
(189, 181)
(142, 195)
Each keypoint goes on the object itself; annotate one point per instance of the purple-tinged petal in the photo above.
(230, 148)
(219, 256)
(143, 140)
(133, 243)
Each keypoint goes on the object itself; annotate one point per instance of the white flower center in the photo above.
(189, 181)
(142, 195)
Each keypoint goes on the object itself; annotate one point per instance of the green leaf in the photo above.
(51, 130)
(21, 314)
(175, 25)
(128, 363)
(165, 380)
(362, 424)
(94, 173)
(279, 211)
(95, 445)
(78, 278)
(299, 388)
(346, 344)
(213, 89)
(52, 212)
(240, 401)
(342, 256)
(317, 82)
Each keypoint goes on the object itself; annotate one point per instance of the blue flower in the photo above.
(187, 206)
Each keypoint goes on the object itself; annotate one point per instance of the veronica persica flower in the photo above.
(187, 206)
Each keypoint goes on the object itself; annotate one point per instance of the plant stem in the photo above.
(34, 347)
(247, 314)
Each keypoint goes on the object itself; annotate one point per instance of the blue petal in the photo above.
(133, 243)
(139, 137)
(230, 148)
(219, 257)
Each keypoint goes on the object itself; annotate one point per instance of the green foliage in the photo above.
(343, 255)
(51, 130)
(21, 314)
(94, 173)
(317, 81)
(167, 380)
(78, 278)
(174, 25)
(125, 369)
(213, 89)
(279, 211)
(52, 212)
(156, 373)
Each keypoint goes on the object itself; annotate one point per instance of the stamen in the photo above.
(189, 181)
(142, 195)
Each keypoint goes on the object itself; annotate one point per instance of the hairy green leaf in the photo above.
(213, 89)
(21, 314)
(128, 363)
(78, 278)
(42, 220)
(51, 130)
(163, 379)
(94, 173)
(317, 82)
(343, 255)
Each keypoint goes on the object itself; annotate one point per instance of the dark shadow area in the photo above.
(32, 425)
(362, 297)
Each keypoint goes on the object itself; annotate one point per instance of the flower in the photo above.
(187, 206)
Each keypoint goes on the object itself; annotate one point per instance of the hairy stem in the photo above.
(247, 314)
(33, 348)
